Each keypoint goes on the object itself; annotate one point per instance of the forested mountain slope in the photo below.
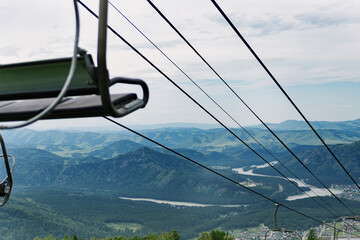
(323, 164)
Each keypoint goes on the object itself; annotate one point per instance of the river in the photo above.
(180, 204)
(315, 191)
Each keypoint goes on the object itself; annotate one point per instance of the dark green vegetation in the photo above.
(216, 235)
(69, 182)
(173, 235)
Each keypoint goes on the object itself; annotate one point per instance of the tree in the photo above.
(151, 237)
(134, 238)
(174, 235)
(312, 235)
(216, 235)
(204, 236)
(66, 237)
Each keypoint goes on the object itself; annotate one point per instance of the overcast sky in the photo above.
(311, 47)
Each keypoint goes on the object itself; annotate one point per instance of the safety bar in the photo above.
(119, 111)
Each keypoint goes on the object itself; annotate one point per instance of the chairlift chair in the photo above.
(336, 231)
(6, 183)
(277, 229)
(26, 89)
(36, 90)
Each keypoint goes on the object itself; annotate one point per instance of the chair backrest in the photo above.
(42, 79)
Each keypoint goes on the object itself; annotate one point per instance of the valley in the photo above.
(114, 183)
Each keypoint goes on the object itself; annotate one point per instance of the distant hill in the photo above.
(302, 125)
(31, 138)
(113, 149)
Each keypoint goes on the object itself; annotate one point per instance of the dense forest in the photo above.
(38, 213)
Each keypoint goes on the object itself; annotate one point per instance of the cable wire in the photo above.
(183, 91)
(287, 148)
(124, 40)
(280, 173)
(217, 173)
(282, 90)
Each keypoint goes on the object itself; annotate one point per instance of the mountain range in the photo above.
(301, 125)
(292, 132)
(121, 163)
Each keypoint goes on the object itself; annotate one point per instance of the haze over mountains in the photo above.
(293, 132)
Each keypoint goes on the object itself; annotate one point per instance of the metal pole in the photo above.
(348, 229)
(277, 207)
(102, 72)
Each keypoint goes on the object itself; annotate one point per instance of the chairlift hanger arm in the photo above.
(103, 75)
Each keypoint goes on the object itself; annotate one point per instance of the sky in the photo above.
(311, 47)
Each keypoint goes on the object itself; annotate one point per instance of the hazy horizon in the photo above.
(108, 126)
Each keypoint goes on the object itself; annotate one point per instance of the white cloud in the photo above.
(9, 51)
(271, 17)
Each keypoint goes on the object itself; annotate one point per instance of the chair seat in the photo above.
(70, 107)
